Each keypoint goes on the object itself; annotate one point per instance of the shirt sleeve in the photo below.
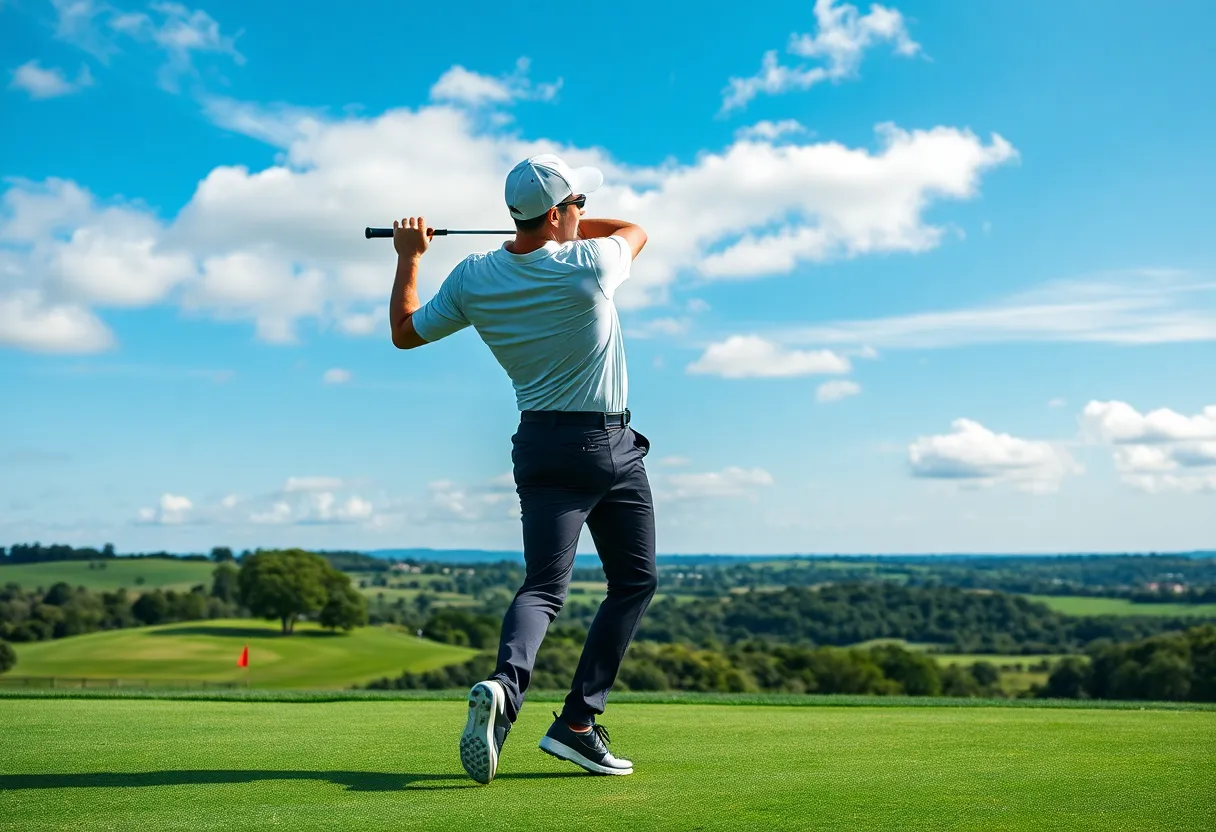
(443, 315)
(614, 256)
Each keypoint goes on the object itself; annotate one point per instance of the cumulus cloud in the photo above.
(732, 481)
(336, 375)
(282, 245)
(972, 453)
(1158, 451)
(834, 391)
(842, 37)
(37, 82)
(173, 509)
(296, 484)
(750, 356)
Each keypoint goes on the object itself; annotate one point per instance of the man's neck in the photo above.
(526, 243)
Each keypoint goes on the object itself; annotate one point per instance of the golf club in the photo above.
(370, 232)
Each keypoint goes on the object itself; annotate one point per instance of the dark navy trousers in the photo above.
(568, 475)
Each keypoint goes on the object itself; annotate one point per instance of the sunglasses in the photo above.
(578, 202)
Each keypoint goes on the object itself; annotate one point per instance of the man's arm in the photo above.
(410, 239)
(633, 234)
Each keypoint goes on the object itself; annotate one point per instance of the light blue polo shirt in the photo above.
(547, 316)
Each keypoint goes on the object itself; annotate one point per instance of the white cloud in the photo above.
(659, 328)
(41, 83)
(283, 244)
(173, 509)
(770, 131)
(973, 453)
(364, 323)
(835, 390)
(336, 375)
(1158, 451)
(1056, 403)
(1119, 422)
(1136, 307)
(462, 86)
(62, 254)
(750, 356)
(173, 29)
(278, 513)
(296, 484)
(674, 461)
(276, 124)
(843, 36)
(731, 481)
(29, 322)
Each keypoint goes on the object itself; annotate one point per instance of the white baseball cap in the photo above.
(537, 184)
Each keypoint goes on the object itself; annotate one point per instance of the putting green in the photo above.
(93, 764)
(208, 651)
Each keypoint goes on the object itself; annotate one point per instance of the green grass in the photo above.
(88, 764)
(1084, 605)
(393, 594)
(208, 650)
(120, 572)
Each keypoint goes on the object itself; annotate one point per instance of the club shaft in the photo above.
(371, 233)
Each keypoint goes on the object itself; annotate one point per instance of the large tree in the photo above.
(286, 584)
(346, 608)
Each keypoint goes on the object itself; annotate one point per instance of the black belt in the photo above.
(576, 417)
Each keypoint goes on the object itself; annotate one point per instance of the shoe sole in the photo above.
(477, 752)
(565, 752)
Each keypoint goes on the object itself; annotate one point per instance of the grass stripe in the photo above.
(633, 697)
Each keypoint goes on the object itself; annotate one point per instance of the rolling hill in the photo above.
(207, 651)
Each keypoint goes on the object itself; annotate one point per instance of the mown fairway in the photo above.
(146, 764)
(208, 650)
(118, 572)
(1084, 605)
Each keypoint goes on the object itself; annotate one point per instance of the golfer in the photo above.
(543, 304)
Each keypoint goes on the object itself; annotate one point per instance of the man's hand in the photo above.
(411, 237)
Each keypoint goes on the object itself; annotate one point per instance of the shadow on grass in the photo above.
(355, 781)
(242, 632)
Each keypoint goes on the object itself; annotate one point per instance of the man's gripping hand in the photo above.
(411, 237)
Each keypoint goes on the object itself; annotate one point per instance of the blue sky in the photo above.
(929, 276)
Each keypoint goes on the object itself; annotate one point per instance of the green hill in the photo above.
(86, 765)
(117, 572)
(208, 651)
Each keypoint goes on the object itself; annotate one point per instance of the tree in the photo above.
(151, 607)
(286, 584)
(8, 657)
(222, 554)
(346, 608)
(1069, 680)
(224, 582)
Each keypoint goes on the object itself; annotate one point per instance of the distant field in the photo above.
(392, 595)
(119, 572)
(182, 765)
(1083, 605)
(208, 650)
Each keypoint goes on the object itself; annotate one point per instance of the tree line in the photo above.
(277, 585)
(1169, 666)
(756, 666)
(953, 619)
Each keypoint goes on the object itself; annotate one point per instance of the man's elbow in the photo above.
(405, 337)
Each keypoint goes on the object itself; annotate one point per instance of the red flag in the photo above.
(243, 661)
